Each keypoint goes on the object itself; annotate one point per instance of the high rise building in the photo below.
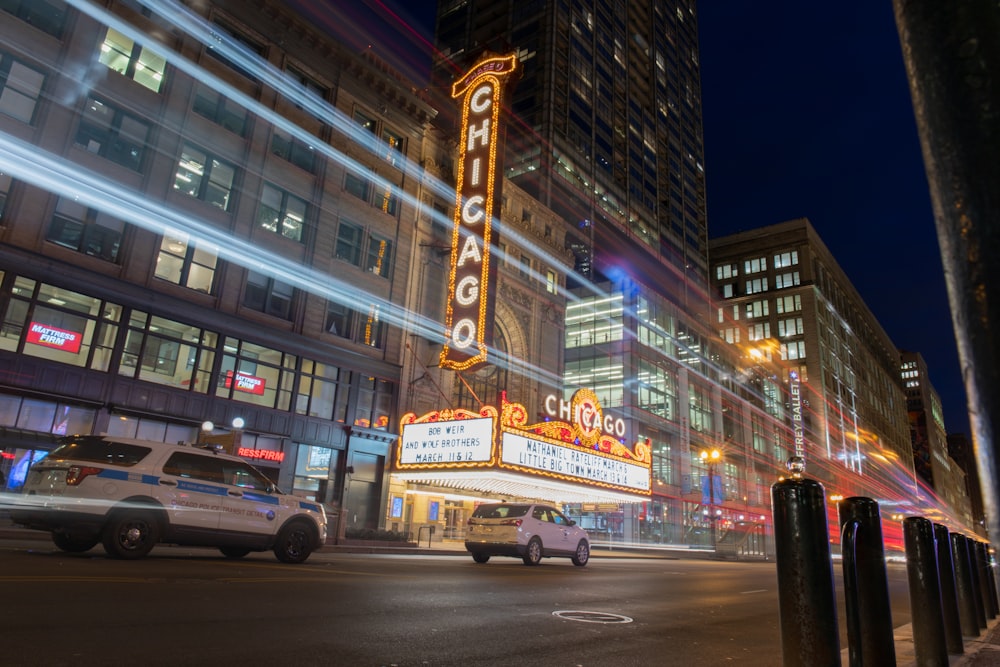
(931, 460)
(607, 127)
(783, 296)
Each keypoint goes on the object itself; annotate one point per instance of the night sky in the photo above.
(807, 114)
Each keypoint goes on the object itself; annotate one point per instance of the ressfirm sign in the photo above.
(472, 278)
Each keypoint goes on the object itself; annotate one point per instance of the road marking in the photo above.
(590, 616)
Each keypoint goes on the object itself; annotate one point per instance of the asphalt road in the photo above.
(184, 606)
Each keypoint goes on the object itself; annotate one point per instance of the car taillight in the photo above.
(77, 474)
(511, 522)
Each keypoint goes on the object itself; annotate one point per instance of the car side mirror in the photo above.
(571, 522)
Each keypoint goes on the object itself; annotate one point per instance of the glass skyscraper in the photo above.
(607, 127)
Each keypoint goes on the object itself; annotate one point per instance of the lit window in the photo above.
(133, 60)
(281, 212)
(182, 262)
(205, 177)
(551, 282)
(379, 256)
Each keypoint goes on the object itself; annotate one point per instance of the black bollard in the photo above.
(982, 567)
(949, 594)
(925, 592)
(866, 586)
(806, 599)
(993, 580)
(977, 590)
(963, 585)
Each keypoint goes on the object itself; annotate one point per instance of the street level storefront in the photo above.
(448, 461)
(76, 361)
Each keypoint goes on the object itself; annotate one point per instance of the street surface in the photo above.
(186, 606)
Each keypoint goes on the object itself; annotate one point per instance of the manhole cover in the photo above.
(591, 616)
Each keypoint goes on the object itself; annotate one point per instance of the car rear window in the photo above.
(500, 511)
(97, 450)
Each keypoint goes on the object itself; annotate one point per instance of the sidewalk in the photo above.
(982, 651)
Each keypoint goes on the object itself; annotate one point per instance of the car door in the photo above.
(560, 529)
(250, 507)
(191, 489)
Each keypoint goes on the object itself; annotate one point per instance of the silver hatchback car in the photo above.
(528, 531)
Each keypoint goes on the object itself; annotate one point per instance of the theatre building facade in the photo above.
(186, 232)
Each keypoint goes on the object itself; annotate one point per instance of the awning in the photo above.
(509, 485)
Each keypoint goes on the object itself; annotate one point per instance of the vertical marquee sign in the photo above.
(798, 430)
(472, 281)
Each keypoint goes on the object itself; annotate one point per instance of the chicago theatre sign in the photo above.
(472, 280)
(576, 444)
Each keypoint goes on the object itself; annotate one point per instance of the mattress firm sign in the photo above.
(546, 457)
(472, 277)
(460, 441)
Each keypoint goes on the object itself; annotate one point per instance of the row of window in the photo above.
(124, 138)
(756, 265)
(193, 264)
(45, 321)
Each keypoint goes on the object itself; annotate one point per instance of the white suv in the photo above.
(525, 530)
(130, 494)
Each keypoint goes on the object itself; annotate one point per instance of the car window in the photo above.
(499, 511)
(195, 466)
(99, 450)
(558, 518)
(243, 475)
(540, 513)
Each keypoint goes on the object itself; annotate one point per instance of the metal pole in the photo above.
(711, 503)
(806, 598)
(993, 580)
(866, 586)
(949, 594)
(925, 592)
(952, 58)
(963, 584)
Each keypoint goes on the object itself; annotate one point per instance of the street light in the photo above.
(711, 458)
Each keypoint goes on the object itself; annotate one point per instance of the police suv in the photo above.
(131, 494)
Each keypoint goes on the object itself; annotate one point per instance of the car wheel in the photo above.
(74, 545)
(130, 534)
(533, 556)
(294, 543)
(480, 558)
(233, 552)
(582, 554)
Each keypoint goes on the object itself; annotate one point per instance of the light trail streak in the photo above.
(210, 36)
(27, 163)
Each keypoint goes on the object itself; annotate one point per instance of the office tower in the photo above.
(928, 438)
(782, 295)
(607, 127)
